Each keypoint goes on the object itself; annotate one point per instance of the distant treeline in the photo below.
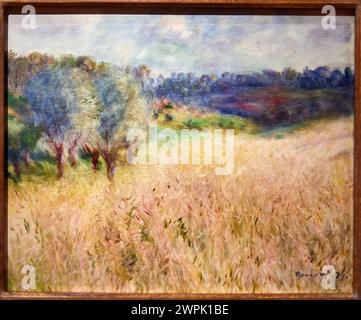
(269, 98)
(187, 87)
(180, 86)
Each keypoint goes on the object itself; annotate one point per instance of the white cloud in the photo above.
(174, 27)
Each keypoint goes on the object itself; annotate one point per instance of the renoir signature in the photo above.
(328, 276)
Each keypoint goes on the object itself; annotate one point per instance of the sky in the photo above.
(198, 44)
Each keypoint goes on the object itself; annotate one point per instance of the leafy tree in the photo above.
(29, 137)
(85, 63)
(14, 144)
(336, 78)
(67, 61)
(349, 77)
(22, 68)
(289, 74)
(62, 103)
(120, 108)
(93, 151)
(18, 73)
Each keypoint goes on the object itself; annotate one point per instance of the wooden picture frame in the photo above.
(303, 7)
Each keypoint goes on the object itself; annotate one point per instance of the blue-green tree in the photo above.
(120, 107)
(61, 100)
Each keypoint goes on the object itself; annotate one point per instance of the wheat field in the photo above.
(287, 208)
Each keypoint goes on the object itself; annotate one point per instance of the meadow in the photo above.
(287, 208)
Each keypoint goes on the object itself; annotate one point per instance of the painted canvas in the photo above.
(180, 154)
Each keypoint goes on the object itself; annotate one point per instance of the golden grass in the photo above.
(286, 208)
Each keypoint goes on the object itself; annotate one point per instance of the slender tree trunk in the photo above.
(59, 156)
(110, 165)
(26, 158)
(110, 169)
(95, 160)
(60, 169)
(72, 151)
(16, 165)
(94, 153)
(72, 156)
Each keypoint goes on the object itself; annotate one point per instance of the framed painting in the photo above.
(198, 149)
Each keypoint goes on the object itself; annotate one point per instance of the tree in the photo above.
(336, 78)
(22, 68)
(29, 137)
(349, 77)
(61, 100)
(289, 74)
(23, 136)
(14, 144)
(120, 108)
(18, 73)
(142, 76)
(93, 151)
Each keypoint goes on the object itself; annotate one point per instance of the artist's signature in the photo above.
(301, 274)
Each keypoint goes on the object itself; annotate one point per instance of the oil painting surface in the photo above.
(180, 154)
